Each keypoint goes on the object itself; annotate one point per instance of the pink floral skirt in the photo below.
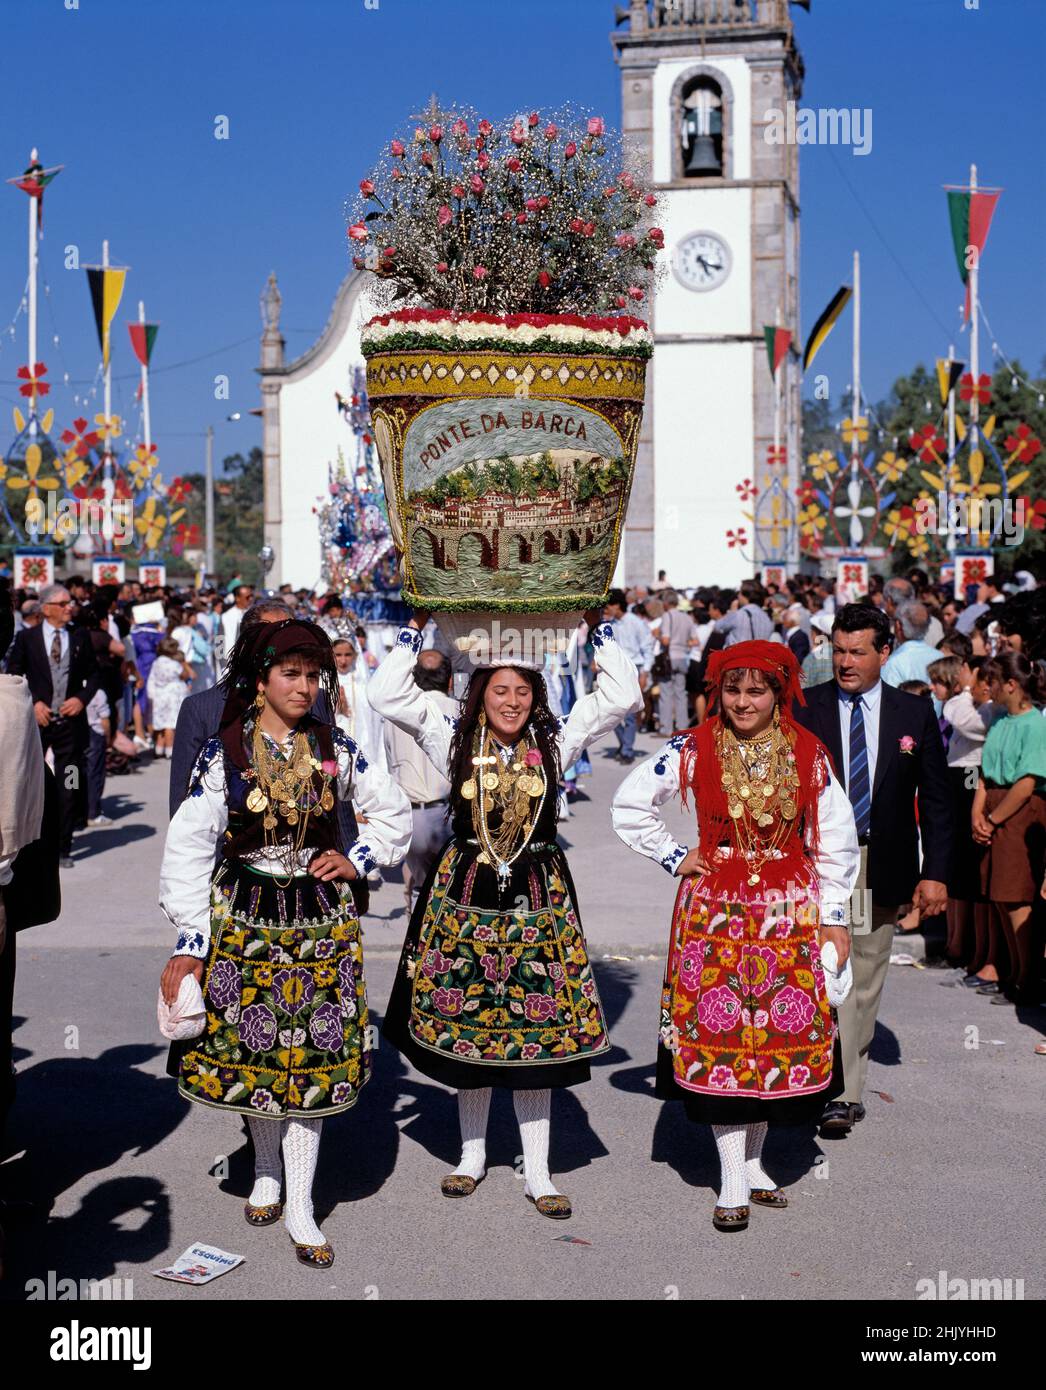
(744, 1012)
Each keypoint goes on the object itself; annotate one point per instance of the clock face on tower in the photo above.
(701, 261)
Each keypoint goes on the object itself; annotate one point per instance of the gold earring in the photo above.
(259, 700)
(482, 719)
(777, 716)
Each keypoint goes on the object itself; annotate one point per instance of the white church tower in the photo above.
(700, 82)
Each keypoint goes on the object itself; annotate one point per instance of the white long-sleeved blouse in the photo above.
(193, 834)
(395, 695)
(638, 822)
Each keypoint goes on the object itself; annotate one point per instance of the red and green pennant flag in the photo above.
(33, 181)
(825, 324)
(970, 213)
(143, 335)
(948, 374)
(777, 341)
(106, 286)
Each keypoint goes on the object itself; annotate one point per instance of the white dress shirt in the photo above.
(49, 632)
(871, 705)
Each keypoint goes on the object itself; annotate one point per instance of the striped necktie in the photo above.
(860, 790)
(56, 648)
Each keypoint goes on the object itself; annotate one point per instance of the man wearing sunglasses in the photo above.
(59, 664)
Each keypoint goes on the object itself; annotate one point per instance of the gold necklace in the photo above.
(284, 788)
(517, 789)
(761, 784)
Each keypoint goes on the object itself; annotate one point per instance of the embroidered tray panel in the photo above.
(507, 474)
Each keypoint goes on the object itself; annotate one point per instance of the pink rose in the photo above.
(457, 191)
(625, 239)
(518, 135)
(791, 1010)
(483, 160)
(436, 134)
(533, 757)
(358, 232)
(650, 200)
(484, 127)
(625, 179)
(459, 128)
(576, 224)
(758, 968)
(398, 148)
(426, 159)
(690, 963)
(620, 301)
(907, 744)
(551, 131)
(634, 292)
(543, 202)
(329, 767)
(595, 125)
(513, 166)
(723, 1078)
(444, 215)
(569, 151)
(366, 187)
(533, 119)
(476, 184)
(397, 173)
(521, 217)
(719, 1009)
(657, 236)
(441, 266)
(480, 272)
(544, 279)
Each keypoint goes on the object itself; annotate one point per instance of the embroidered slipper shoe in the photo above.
(768, 1197)
(263, 1216)
(458, 1185)
(555, 1206)
(730, 1218)
(317, 1256)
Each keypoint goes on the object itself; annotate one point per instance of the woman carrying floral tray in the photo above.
(494, 986)
(272, 933)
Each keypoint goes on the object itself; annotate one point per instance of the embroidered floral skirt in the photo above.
(747, 1032)
(286, 1000)
(495, 988)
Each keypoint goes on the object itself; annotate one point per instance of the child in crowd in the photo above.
(167, 687)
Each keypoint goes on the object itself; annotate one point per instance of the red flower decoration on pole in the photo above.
(929, 445)
(776, 455)
(1023, 445)
(746, 489)
(982, 391)
(80, 443)
(736, 538)
(1031, 513)
(35, 385)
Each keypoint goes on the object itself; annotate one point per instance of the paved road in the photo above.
(943, 1175)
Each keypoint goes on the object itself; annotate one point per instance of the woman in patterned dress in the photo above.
(271, 931)
(494, 986)
(747, 1034)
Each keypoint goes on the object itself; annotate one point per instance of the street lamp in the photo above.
(266, 557)
(208, 552)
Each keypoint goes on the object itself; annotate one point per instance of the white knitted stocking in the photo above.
(265, 1136)
(758, 1177)
(301, 1149)
(730, 1141)
(532, 1111)
(473, 1108)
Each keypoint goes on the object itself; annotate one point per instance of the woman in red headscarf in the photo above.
(747, 1035)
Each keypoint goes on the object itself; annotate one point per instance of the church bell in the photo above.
(702, 158)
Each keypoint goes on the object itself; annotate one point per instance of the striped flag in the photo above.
(970, 214)
(143, 335)
(777, 341)
(825, 324)
(948, 373)
(33, 181)
(106, 286)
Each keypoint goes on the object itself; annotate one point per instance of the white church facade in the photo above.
(701, 81)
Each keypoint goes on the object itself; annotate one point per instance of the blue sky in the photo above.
(125, 95)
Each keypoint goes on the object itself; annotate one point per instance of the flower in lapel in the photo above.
(906, 744)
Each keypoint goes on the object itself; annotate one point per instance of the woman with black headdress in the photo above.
(494, 986)
(272, 932)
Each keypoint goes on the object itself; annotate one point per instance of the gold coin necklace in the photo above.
(284, 788)
(761, 785)
(516, 789)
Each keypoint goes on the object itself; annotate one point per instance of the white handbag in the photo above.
(838, 983)
(187, 1016)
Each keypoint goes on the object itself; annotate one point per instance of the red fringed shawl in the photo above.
(701, 774)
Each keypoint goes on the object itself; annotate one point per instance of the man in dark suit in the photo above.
(887, 749)
(59, 664)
